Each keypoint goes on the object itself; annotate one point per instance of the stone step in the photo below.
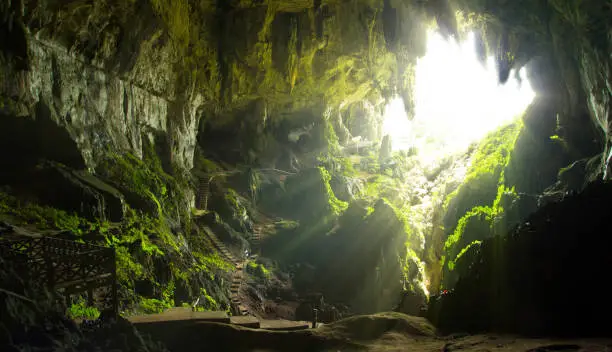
(284, 325)
(181, 314)
(246, 321)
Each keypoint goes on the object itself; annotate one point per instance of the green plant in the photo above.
(259, 270)
(209, 302)
(210, 263)
(486, 171)
(44, 217)
(80, 310)
(152, 305)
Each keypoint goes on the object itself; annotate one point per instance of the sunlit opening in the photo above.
(458, 100)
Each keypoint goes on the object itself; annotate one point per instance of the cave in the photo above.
(297, 175)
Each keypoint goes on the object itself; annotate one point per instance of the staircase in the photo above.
(203, 193)
(237, 280)
(237, 275)
(256, 240)
(265, 225)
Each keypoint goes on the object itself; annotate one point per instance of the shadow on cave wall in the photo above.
(25, 141)
(250, 136)
(40, 162)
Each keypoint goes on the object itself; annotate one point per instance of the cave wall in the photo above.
(100, 109)
(123, 93)
(113, 72)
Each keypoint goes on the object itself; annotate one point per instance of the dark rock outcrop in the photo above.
(540, 279)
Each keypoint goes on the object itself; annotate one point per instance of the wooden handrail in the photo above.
(64, 264)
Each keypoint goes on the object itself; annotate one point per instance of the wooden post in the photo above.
(48, 264)
(114, 295)
(90, 296)
(67, 298)
(315, 317)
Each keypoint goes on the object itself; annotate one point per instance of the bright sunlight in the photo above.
(458, 100)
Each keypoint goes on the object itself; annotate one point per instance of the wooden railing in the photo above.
(63, 265)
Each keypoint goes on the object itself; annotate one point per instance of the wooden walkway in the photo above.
(187, 316)
(66, 266)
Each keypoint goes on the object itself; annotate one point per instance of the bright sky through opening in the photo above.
(458, 101)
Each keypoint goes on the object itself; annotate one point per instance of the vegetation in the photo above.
(152, 305)
(485, 173)
(45, 217)
(80, 310)
(146, 184)
(144, 237)
(258, 270)
(481, 199)
(335, 205)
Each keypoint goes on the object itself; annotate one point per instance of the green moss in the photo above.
(128, 269)
(152, 305)
(336, 206)
(204, 165)
(486, 171)
(209, 302)
(555, 138)
(177, 15)
(43, 217)
(483, 196)
(151, 235)
(210, 263)
(413, 272)
(80, 310)
(146, 184)
(369, 211)
(333, 143)
(402, 215)
(451, 264)
(259, 270)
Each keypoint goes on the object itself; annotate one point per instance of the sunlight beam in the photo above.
(458, 100)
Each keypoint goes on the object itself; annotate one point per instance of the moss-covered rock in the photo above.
(536, 279)
(485, 174)
(309, 197)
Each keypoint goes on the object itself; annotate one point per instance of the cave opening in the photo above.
(458, 100)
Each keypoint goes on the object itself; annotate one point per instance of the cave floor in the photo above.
(378, 332)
